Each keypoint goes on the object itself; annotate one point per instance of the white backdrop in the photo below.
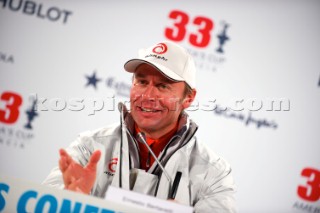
(50, 49)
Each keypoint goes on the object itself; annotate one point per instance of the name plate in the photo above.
(149, 203)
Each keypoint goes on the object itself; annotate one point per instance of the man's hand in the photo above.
(76, 177)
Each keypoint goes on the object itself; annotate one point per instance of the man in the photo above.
(163, 86)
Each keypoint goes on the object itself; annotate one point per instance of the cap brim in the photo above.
(131, 66)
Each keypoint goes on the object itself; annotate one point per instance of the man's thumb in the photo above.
(95, 157)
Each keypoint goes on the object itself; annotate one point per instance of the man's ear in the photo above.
(189, 98)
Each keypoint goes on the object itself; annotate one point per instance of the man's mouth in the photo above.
(144, 109)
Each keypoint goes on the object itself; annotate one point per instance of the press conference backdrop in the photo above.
(258, 85)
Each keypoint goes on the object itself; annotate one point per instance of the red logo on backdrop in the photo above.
(201, 38)
(112, 165)
(10, 114)
(199, 32)
(160, 48)
(11, 111)
(311, 190)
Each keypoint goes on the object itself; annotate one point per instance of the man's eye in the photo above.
(143, 82)
(163, 86)
(140, 82)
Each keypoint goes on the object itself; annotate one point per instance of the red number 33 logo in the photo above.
(311, 191)
(201, 38)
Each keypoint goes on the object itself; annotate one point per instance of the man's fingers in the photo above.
(73, 173)
(63, 164)
(63, 153)
(64, 161)
(95, 157)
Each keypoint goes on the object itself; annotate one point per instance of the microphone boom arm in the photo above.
(155, 157)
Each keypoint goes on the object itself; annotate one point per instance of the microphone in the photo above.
(141, 136)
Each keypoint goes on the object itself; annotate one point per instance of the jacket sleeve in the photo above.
(80, 150)
(217, 191)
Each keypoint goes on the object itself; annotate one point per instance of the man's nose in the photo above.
(150, 92)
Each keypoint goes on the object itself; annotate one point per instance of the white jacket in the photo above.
(206, 182)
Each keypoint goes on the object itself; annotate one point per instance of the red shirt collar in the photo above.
(157, 145)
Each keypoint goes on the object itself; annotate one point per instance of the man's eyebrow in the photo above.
(139, 75)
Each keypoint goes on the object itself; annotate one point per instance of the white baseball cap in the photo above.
(170, 59)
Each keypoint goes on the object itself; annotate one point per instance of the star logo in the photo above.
(92, 80)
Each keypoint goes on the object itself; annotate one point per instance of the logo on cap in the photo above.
(160, 48)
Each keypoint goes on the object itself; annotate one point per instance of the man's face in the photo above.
(156, 102)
